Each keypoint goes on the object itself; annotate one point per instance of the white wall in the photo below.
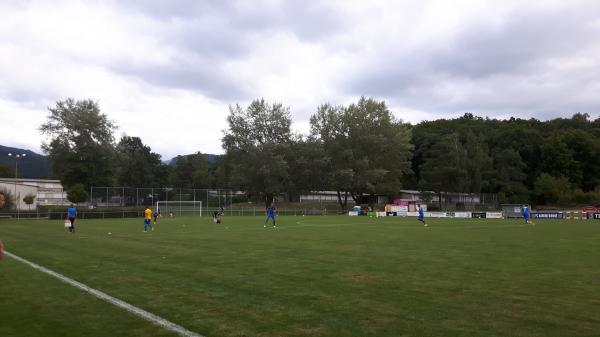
(21, 192)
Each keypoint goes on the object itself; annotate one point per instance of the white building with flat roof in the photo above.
(46, 191)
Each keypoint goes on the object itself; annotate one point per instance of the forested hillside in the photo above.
(547, 162)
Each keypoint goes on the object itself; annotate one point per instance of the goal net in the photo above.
(179, 208)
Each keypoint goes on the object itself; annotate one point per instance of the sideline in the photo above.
(148, 316)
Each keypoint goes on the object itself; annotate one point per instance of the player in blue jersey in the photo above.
(271, 214)
(72, 215)
(422, 215)
(526, 214)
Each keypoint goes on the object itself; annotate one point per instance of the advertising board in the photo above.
(493, 215)
(478, 215)
(548, 215)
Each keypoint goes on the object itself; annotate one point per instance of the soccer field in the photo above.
(312, 276)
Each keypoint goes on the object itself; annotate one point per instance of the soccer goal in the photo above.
(179, 208)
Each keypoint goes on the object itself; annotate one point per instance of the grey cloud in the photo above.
(208, 36)
(309, 20)
(517, 45)
(201, 40)
(204, 76)
(505, 68)
(30, 96)
(172, 8)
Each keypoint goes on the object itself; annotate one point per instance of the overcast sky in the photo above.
(166, 71)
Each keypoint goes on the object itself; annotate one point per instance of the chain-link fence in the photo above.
(182, 201)
(124, 202)
(460, 201)
(102, 197)
(175, 212)
(123, 197)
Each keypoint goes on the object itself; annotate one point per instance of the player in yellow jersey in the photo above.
(147, 219)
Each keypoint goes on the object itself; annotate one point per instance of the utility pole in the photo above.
(17, 156)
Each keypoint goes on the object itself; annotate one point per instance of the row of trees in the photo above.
(80, 143)
(356, 150)
(546, 162)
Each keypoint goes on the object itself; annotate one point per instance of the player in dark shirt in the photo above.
(217, 215)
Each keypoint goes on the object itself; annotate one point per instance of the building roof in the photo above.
(13, 180)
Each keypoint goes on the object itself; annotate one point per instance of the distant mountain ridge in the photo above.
(32, 166)
(37, 166)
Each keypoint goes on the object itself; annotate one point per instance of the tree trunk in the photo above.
(441, 206)
(343, 203)
(268, 199)
(354, 197)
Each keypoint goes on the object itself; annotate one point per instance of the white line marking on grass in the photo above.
(314, 224)
(148, 316)
(479, 227)
(399, 226)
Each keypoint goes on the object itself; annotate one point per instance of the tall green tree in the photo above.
(558, 160)
(308, 166)
(549, 189)
(29, 199)
(478, 164)
(222, 172)
(193, 171)
(80, 143)
(509, 176)
(255, 142)
(7, 171)
(137, 165)
(369, 150)
(444, 168)
(584, 148)
(77, 193)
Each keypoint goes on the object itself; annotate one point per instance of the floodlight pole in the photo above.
(17, 157)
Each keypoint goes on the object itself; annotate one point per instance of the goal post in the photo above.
(179, 208)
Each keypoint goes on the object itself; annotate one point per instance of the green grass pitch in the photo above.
(312, 276)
